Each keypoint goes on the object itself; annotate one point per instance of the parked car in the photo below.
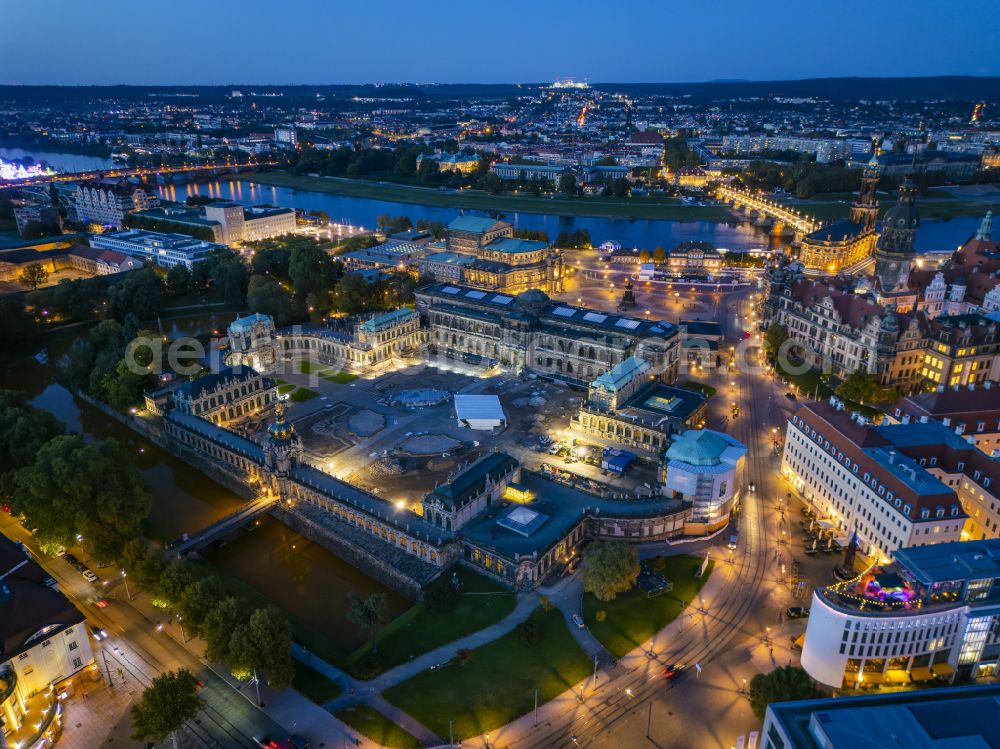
(89, 576)
(796, 612)
(732, 541)
(578, 621)
(791, 396)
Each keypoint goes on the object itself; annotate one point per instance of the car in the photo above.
(268, 743)
(101, 602)
(672, 670)
(578, 621)
(71, 559)
(98, 633)
(732, 541)
(753, 487)
(791, 396)
(796, 612)
(89, 576)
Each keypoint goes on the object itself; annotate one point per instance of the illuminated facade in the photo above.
(931, 614)
(845, 244)
(861, 479)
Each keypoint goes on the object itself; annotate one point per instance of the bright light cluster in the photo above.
(10, 170)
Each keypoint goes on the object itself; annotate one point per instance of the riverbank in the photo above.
(640, 208)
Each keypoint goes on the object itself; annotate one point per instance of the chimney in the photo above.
(987, 384)
(946, 421)
(939, 389)
(923, 419)
(972, 386)
(892, 457)
(906, 419)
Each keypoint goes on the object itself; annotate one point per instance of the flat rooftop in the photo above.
(966, 717)
(562, 508)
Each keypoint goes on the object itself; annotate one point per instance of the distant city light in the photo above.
(10, 170)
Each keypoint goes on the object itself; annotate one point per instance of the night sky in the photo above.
(503, 41)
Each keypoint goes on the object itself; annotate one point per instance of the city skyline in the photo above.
(732, 41)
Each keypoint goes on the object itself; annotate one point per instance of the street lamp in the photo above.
(125, 579)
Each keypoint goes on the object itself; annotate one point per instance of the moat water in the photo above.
(300, 576)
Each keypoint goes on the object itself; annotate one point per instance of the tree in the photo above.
(644, 256)
(369, 614)
(774, 338)
(166, 704)
(352, 294)
(140, 293)
(659, 256)
(33, 276)
(218, 628)
(610, 568)
(271, 638)
(862, 387)
(24, 429)
(785, 683)
(178, 279)
(311, 271)
(567, 184)
(83, 488)
(267, 296)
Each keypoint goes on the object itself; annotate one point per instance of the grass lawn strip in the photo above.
(632, 618)
(497, 683)
(303, 394)
(313, 684)
(418, 630)
(377, 727)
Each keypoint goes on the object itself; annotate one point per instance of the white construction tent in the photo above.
(479, 411)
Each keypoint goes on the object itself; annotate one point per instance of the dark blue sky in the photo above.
(347, 41)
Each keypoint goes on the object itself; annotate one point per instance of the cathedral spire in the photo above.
(985, 232)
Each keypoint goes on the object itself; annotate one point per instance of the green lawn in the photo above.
(645, 207)
(341, 378)
(285, 387)
(707, 390)
(632, 618)
(303, 394)
(377, 727)
(313, 684)
(418, 630)
(309, 367)
(497, 683)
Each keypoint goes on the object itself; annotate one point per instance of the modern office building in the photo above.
(966, 717)
(167, 250)
(930, 614)
(228, 222)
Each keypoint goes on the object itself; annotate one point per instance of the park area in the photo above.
(420, 629)
(377, 727)
(632, 618)
(490, 686)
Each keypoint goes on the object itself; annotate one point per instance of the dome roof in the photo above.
(533, 298)
(280, 430)
(901, 216)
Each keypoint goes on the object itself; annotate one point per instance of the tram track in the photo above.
(629, 692)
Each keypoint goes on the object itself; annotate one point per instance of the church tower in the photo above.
(864, 211)
(282, 451)
(894, 251)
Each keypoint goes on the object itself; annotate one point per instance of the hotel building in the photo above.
(859, 479)
(931, 614)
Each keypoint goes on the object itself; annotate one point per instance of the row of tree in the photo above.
(70, 490)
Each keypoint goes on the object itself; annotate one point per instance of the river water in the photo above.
(306, 580)
(933, 235)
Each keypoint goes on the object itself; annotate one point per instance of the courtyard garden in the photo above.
(632, 618)
(492, 685)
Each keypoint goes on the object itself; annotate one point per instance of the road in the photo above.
(748, 593)
(137, 651)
